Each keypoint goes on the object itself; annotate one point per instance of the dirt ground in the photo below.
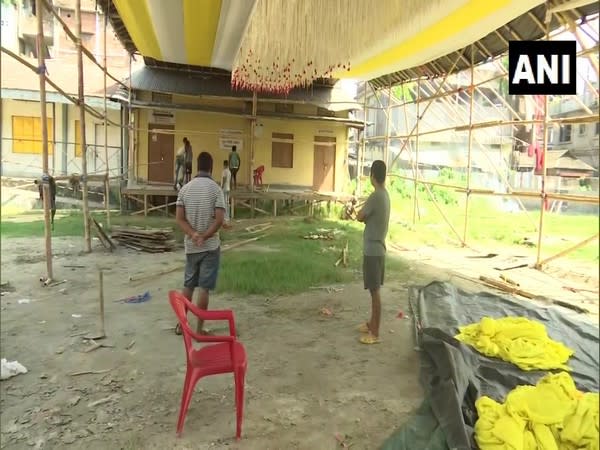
(308, 376)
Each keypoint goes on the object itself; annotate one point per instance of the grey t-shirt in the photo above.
(200, 197)
(377, 218)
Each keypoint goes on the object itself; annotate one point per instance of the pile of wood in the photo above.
(151, 240)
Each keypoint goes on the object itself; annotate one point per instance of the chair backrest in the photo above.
(179, 305)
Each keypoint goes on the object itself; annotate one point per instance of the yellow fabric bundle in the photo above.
(553, 415)
(520, 341)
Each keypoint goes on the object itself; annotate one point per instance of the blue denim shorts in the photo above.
(202, 269)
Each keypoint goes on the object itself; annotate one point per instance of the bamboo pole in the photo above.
(363, 143)
(414, 169)
(544, 149)
(387, 126)
(44, 126)
(105, 70)
(416, 163)
(84, 175)
(130, 163)
(252, 140)
(542, 263)
(470, 144)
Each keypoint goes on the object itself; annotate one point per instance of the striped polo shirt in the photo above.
(200, 197)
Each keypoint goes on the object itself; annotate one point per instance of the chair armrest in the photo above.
(223, 314)
(208, 338)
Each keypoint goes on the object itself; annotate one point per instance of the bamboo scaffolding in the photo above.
(450, 111)
(583, 243)
(130, 159)
(515, 120)
(543, 198)
(252, 140)
(414, 169)
(470, 144)
(84, 175)
(386, 150)
(446, 93)
(416, 162)
(363, 144)
(73, 38)
(44, 125)
(72, 99)
(495, 123)
(104, 69)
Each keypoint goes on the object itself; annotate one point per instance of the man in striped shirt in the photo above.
(200, 214)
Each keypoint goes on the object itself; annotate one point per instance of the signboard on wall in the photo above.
(163, 117)
(228, 138)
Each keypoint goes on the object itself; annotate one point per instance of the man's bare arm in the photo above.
(183, 223)
(361, 215)
(218, 222)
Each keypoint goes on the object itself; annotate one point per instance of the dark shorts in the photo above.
(202, 270)
(373, 272)
(234, 172)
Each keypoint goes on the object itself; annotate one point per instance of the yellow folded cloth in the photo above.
(553, 415)
(518, 340)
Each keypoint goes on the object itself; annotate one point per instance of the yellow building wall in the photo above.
(304, 131)
(202, 129)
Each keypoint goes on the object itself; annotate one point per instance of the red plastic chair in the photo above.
(225, 355)
(258, 172)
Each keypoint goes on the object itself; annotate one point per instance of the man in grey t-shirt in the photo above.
(200, 214)
(376, 217)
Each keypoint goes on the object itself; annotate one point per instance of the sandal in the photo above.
(364, 328)
(178, 331)
(369, 339)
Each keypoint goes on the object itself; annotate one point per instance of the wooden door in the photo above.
(161, 155)
(324, 164)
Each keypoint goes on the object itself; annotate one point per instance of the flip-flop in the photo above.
(178, 331)
(364, 328)
(369, 339)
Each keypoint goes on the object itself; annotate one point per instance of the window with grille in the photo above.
(282, 150)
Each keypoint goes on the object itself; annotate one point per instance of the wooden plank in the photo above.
(104, 239)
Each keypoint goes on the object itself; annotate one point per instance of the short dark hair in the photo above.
(233, 148)
(378, 171)
(205, 162)
(225, 163)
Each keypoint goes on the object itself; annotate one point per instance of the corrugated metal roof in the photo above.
(199, 83)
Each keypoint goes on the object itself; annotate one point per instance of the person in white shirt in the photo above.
(226, 187)
(180, 165)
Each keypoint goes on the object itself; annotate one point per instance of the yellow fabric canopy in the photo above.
(275, 45)
(518, 340)
(553, 415)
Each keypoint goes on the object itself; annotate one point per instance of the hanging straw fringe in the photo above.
(290, 43)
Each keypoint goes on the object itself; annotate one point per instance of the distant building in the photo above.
(20, 125)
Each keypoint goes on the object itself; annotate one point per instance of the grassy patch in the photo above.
(281, 263)
(292, 263)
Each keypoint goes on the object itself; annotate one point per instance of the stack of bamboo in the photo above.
(151, 240)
